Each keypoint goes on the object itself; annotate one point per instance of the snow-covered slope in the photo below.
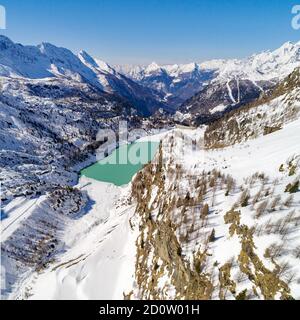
(99, 262)
(42, 61)
(146, 100)
(220, 224)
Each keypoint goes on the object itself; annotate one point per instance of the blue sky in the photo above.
(142, 31)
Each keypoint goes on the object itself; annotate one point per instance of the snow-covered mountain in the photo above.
(48, 61)
(209, 87)
(43, 61)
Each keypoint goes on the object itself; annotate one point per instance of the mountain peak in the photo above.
(87, 59)
(190, 67)
(94, 63)
(44, 46)
(53, 50)
(104, 66)
(152, 67)
(83, 53)
(5, 42)
(288, 48)
(288, 44)
(4, 39)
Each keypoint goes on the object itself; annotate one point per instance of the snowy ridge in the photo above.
(264, 66)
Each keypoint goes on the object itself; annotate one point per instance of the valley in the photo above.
(106, 258)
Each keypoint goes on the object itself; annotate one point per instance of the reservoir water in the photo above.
(120, 167)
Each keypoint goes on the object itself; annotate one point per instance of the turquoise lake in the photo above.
(120, 167)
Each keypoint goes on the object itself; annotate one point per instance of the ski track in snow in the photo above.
(239, 91)
(258, 86)
(230, 92)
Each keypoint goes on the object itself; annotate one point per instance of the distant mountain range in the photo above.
(199, 90)
(203, 89)
(176, 83)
